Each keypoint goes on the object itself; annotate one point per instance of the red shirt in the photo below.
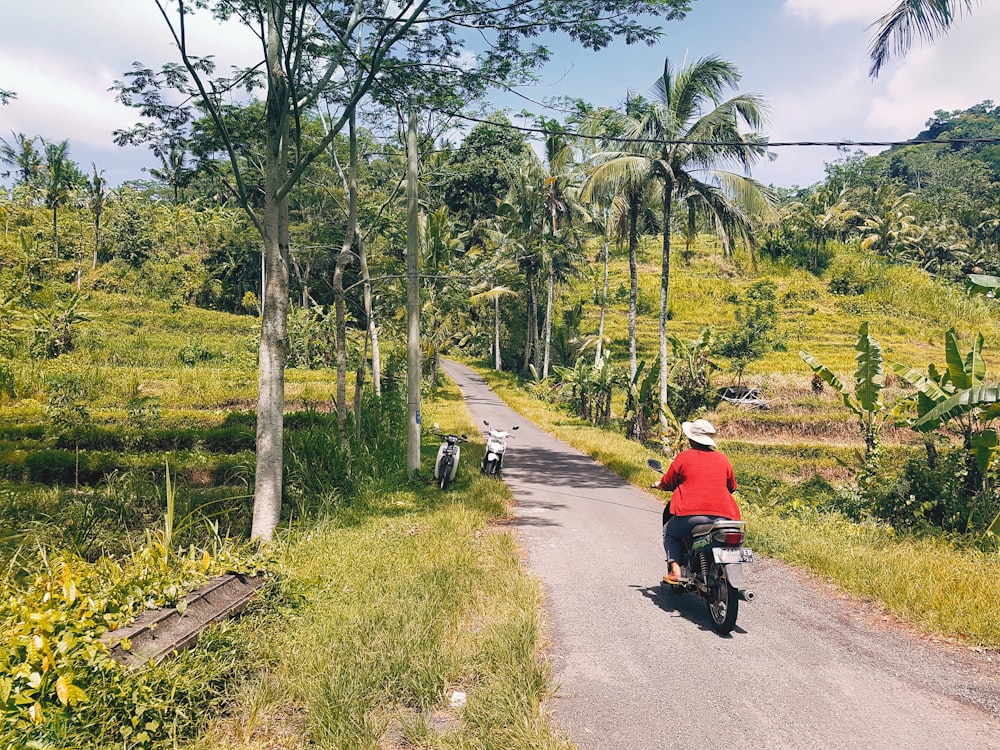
(702, 483)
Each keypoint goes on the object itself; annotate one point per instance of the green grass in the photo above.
(908, 311)
(935, 586)
(393, 604)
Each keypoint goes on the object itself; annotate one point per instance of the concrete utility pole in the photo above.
(412, 302)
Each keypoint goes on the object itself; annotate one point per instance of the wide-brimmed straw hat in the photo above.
(699, 431)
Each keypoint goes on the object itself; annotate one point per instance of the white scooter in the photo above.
(496, 447)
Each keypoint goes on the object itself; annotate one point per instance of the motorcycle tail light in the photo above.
(732, 537)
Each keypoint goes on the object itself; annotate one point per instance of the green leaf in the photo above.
(984, 447)
(975, 365)
(918, 380)
(955, 361)
(994, 527)
(961, 403)
(990, 413)
(984, 284)
(829, 377)
(869, 375)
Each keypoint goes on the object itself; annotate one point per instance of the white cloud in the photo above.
(58, 100)
(954, 72)
(62, 57)
(829, 12)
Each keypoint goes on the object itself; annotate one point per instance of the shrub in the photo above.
(59, 685)
(6, 382)
(53, 466)
(944, 494)
(856, 274)
(12, 465)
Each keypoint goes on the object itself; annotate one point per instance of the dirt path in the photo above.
(638, 668)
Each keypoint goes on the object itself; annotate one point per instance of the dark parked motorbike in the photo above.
(712, 566)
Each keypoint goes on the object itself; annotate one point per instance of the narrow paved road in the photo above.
(638, 668)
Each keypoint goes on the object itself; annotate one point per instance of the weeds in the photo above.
(390, 604)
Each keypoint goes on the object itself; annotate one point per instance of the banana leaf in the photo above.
(961, 403)
(984, 284)
(918, 380)
(955, 361)
(830, 378)
(869, 376)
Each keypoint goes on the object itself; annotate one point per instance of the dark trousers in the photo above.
(677, 529)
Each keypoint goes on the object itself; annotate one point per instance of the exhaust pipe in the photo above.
(747, 595)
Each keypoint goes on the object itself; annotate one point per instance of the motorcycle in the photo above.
(496, 447)
(446, 464)
(712, 566)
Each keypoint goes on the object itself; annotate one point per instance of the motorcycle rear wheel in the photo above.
(444, 472)
(723, 602)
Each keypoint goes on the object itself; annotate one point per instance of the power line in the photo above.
(735, 144)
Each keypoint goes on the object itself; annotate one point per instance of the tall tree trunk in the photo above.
(498, 366)
(535, 333)
(97, 234)
(372, 329)
(412, 301)
(274, 313)
(55, 230)
(548, 318)
(359, 388)
(604, 307)
(668, 190)
(633, 278)
(338, 280)
(529, 326)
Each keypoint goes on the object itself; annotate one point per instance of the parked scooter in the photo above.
(496, 447)
(446, 464)
(712, 566)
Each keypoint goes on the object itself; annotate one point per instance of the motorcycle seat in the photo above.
(706, 528)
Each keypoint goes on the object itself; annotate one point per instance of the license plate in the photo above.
(728, 555)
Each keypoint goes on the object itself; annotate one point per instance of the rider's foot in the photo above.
(673, 577)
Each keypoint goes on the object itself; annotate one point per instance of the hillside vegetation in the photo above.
(131, 323)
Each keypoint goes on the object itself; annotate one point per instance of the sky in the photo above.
(807, 58)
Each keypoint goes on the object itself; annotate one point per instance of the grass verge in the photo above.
(394, 608)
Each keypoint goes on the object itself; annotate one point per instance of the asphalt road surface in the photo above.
(638, 668)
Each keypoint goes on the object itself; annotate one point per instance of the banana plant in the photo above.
(865, 400)
(959, 396)
(984, 284)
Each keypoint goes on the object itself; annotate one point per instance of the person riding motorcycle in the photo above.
(702, 481)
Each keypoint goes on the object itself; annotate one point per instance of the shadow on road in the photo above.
(688, 606)
(556, 468)
(534, 513)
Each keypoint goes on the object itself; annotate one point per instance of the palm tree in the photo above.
(522, 219)
(889, 229)
(680, 144)
(562, 206)
(924, 19)
(820, 217)
(24, 157)
(613, 182)
(61, 176)
(95, 188)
